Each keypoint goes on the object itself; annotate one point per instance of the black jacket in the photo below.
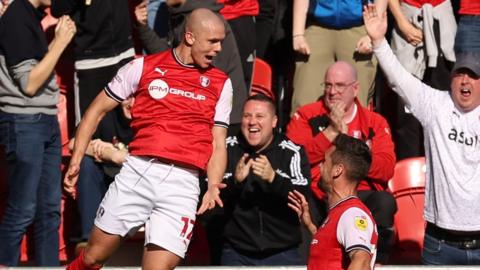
(228, 60)
(259, 221)
(103, 28)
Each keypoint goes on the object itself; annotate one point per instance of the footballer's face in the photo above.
(258, 122)
(326, 167)
(465, 90)
(207, 44)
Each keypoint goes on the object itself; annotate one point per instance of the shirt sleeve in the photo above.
(383, 152)
(355, 229)
(126, 81)
(224, 105)
(416, 95)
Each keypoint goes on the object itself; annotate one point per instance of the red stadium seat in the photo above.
(408, 188)
(262, 78)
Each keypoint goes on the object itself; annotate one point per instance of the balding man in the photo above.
(179, 120)
(316, 125)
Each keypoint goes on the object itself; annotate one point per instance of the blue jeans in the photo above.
(91, 187)
(33, 152)
(231, 257)
(437, 252)
(468, 34)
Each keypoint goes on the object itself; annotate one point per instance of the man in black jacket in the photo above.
(263, 166)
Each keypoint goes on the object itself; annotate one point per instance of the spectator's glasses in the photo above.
(340, 87)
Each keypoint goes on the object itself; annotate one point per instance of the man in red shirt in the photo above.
(316, 125)
(179, 120)
(348, 236)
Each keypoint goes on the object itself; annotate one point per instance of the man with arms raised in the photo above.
(451, 126)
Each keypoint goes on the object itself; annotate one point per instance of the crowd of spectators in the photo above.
(324, 55)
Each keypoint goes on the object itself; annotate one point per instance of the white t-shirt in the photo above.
(452, 147)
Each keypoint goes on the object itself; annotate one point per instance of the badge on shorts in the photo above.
(100, 212)
(361, 223)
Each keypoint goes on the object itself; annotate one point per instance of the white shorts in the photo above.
(163, 197)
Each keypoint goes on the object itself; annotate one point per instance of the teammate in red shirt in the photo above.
(179, 119)
(348, 236)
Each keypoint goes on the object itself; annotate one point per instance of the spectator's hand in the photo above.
(262, 168)
(300, 45)
(118, 156)
(65, 30)
(410, 33)
(243, 168)
(299, 204)
(141, 14)
(71, 178)
(364, 45)
(99, 149)
(337, 112)
(375, 24)
(211, 198)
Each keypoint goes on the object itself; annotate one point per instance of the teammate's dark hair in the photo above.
(354, 154)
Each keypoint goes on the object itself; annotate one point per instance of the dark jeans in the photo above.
(231, 257)
(437, 251)
(33, 152)
(468, 34)
(91, 187)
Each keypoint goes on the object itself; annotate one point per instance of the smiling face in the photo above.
(258, 122)
(206, 42)
(465, 89)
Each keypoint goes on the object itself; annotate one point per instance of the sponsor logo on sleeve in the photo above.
(361, 223)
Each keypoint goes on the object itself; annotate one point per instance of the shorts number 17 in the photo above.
(187, 227)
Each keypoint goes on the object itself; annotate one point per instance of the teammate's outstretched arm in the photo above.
(215, 170)
(94, 114)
